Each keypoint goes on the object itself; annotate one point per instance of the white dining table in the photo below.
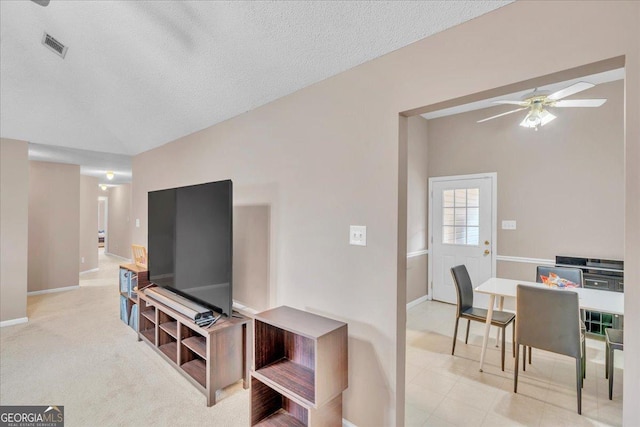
(588, 299)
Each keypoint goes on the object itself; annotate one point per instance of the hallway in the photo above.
(107, 273)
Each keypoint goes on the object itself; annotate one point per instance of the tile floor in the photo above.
(445, 390)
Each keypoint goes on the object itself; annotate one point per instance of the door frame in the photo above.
(494, 220)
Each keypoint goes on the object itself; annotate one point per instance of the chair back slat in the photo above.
(139, 255)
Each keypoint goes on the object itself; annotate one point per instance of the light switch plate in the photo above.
(138, 222)
(358, 235)
(509, 224)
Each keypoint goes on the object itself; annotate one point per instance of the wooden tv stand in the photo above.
(210, 358)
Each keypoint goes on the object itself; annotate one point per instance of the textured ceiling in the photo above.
(139, 74)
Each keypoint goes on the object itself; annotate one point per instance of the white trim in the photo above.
(347, 423)
(241, 307)
(118, 256)
(539, 261)
(14, 322)
(93, 270)
(417, 253)
(51, 291)
(463, 177)
(494, 219)
(417, 301)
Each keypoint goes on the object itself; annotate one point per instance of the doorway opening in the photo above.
(555, 211)
(103, 208)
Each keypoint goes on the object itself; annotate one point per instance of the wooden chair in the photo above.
(466, 310)
(549, 320)
(139, 255)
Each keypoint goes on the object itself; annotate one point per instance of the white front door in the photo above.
(463, 232)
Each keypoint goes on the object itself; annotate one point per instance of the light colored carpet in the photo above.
(75, 351)
(107, 273)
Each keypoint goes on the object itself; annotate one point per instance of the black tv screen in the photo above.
(190, 242)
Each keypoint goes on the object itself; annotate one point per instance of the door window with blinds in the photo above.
(461, 216)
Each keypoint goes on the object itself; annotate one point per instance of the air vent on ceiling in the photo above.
(54, 45)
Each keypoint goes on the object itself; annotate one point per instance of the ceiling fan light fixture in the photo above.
(546, 117)
(537, 117)
(537, 101)
(531, 120)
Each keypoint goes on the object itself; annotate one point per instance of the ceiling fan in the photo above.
(538, 101)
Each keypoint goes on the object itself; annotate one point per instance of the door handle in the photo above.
(486, 242)
(487, 251)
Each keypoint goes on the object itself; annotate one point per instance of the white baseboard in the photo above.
(118, 256)
(417, 253)
(93, 270)
(347, 423)
(50, 291)
(244, 308)
(417, 301)
(14, 322)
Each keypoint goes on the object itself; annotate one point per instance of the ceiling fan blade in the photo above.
(579, 103)
(506, 101)
(503, 114)
(567, 91)
(41, 2)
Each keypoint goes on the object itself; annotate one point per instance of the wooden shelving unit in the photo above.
(131, 276)
(300, 369)
(209, 358)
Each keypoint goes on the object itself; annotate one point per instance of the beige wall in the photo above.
(416, 277)
(251, 245)
(328, 156)
(417, 207)
(563, 184)
(54, 232)
(88, 223)
(14, 202)
(118, 240)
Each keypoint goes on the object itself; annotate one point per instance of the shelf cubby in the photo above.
(197, 344)
(150, 314)
(275, 409)
(291, 376)
(170, 328)
(197, 369)
(300, 369)
(170, 349)
(149, 335)
(147, 321)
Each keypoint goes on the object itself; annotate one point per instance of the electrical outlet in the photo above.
(509, 224)
(138, 222)
(82, 260)
(358, 235)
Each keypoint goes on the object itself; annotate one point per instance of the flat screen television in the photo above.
(190, 242)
